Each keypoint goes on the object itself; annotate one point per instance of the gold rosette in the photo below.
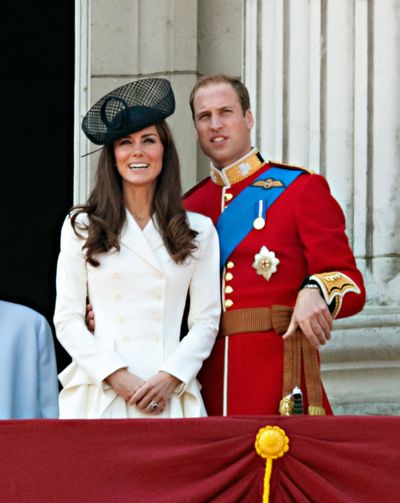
(271, 443)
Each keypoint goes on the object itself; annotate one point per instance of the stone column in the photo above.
(324, 79)
(220, 47)
(132, 39)
(129, 39)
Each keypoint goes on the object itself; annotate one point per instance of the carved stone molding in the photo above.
(361, 364)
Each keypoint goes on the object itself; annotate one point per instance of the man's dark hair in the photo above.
(237, 84)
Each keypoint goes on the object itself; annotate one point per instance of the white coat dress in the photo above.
(138, 296)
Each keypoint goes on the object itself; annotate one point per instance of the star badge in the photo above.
(265, 262)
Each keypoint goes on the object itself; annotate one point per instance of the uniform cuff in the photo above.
(333, 287)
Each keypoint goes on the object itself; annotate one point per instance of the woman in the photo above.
(135, 252)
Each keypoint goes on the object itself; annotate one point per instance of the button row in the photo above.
(228, 277)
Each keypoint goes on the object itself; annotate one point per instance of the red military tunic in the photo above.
(305, 228)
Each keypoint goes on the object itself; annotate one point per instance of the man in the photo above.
(283, 243)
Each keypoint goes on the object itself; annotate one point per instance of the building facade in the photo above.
(324, 79)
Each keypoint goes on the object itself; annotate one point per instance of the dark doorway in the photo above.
(37, 105)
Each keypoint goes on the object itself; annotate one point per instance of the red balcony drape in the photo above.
(330, 459)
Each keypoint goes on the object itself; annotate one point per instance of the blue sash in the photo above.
(237, 219)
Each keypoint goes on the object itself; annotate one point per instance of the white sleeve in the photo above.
(69, 318)
(204, 314)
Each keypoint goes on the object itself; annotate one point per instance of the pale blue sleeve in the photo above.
(28, 372)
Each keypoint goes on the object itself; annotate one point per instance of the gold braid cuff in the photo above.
(334, 286)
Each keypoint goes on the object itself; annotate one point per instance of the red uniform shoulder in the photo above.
(195, 187)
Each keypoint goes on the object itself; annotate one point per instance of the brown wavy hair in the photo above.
(106, 210)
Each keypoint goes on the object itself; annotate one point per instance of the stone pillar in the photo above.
(324, 78)
(129, 39)
(82, 174)
(220, 47)
(132, 39)
(383, 239)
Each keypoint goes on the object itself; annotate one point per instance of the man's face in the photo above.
(222, 129)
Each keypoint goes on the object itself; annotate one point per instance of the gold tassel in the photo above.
(286, 406)
(313, 410)
(271, 443)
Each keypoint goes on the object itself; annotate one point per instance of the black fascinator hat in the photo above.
(128, 109)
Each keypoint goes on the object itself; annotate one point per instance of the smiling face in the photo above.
(223, 129)
(139, 157)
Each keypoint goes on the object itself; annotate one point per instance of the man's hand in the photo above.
(312, 316)
(89, 319)
(124, 383)
(158, 389)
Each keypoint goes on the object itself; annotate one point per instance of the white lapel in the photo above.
(152, 236)
(134, 238)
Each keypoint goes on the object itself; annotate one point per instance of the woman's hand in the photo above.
(89, 318)
(312, 316)
(124, 383)
(156, 390)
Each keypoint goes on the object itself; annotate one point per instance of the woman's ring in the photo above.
(153, 405)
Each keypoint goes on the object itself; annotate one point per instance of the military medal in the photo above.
(259, 221)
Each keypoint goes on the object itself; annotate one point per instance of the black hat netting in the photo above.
(129, 108)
